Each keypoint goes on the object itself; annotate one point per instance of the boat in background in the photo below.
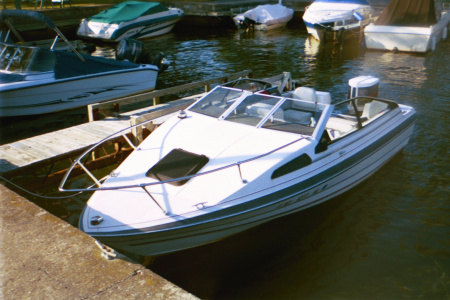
(409, 25)
(236, 159)
(337, 17)
(264, 17)
(35, 80)
(10, 18)
(130, 19)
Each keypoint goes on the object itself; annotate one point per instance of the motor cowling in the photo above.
(135, 51)
(363, 86)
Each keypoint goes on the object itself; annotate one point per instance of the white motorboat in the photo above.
(34, 80)
(336, 16)
(236, 159)
(264, 17)
(130, 19)
(408, 25)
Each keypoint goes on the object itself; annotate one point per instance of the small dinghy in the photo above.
(264, 17)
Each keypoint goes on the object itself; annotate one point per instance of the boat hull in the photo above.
(332, 176)
(405, 38)
(279, 17)
(322, 33)
(50, 95)
(322, 18)
(140, 28)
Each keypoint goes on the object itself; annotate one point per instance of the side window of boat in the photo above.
(21, 60)
(292, 166)
(5, 56)
(342, 121)
(374, 109)
(354, 114)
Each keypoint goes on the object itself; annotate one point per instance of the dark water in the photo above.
(389, 238)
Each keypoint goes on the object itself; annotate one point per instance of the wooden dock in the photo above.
(27, 155)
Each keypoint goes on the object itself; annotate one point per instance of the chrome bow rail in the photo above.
(98, 182)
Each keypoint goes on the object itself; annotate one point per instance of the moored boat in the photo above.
(408, 25)
(130, 19)
(35, 80)
(337, 16)
(236, 159)
(264, 17)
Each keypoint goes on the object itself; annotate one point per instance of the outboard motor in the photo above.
(363, 86)
(135, 51)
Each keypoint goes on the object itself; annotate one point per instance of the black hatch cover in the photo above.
(177, 163)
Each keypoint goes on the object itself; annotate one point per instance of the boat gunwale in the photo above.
(189, 222)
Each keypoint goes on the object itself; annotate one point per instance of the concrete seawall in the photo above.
(43, 257)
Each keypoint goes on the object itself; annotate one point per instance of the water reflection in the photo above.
(387, 238)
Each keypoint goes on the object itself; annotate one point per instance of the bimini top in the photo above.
(127, 11)
(12, 13)
(414, 13)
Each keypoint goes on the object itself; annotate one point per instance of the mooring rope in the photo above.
(37, 195)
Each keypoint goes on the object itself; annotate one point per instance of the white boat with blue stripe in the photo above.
(236, 159)
(35, 80)
(130, 19)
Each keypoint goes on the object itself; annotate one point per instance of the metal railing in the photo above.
(98, 182)
(93, 109)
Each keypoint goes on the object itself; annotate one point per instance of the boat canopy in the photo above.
(414, 13)
(127, 11)
(362, 2)
(13, 13)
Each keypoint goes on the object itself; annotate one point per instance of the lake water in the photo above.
(389, 238)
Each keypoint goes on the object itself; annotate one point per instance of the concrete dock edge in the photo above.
(43, 257)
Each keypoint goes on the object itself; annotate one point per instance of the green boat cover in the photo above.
(127, 11)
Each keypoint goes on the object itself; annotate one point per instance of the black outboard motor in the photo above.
(135, 51)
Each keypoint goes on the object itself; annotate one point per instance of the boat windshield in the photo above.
(16, 59)
(261, 110)
(217, 102)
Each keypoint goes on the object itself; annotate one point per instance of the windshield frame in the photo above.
(270, 112)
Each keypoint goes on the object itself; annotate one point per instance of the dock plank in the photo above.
(57, 145)
(15, 158)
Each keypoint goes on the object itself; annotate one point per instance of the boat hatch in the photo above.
(176, 164)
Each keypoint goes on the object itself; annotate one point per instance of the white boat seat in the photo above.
(296, 113)
(297, 116)
(323, 97)
(306, 94)
(373, 108)
(261, 110)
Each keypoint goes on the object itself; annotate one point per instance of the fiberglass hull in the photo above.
(141, 28)
(406, 38)
(321, 18)
(50, 95)
(342, 166)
